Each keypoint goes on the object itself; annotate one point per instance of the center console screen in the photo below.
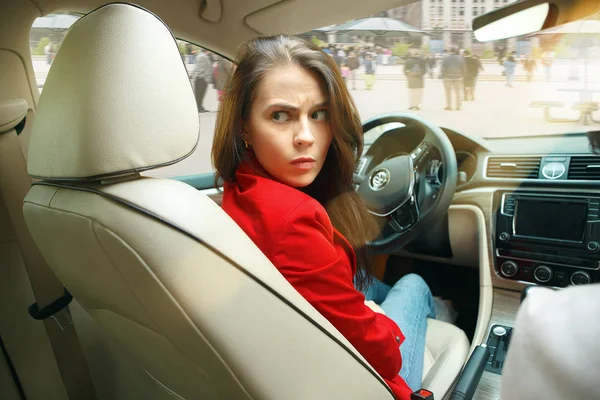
(550, 220)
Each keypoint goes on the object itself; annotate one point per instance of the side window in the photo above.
(208, 73)
(45, 38)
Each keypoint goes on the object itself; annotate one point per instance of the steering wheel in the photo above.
(397, 188)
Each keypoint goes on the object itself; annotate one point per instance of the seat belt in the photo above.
(51, 297)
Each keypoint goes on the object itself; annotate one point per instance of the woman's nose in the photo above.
(304, 136)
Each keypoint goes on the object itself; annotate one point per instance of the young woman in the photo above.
(287, 140)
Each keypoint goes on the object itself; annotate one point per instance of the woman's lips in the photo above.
(304, 163)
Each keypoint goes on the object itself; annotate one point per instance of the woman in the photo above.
(287, 140)
(415, 69)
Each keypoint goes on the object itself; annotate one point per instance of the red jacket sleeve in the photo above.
(320, 271)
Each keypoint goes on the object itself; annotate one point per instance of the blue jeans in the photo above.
(408, 303)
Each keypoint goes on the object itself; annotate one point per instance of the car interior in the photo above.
(122, 278)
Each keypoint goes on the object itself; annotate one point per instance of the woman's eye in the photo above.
(320, 115)
(280, 116)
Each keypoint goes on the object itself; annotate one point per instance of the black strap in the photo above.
(51, 309)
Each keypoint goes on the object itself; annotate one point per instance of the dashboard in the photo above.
(554, 240)
(520, 161)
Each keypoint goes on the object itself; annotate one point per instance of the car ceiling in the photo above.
(223, 25)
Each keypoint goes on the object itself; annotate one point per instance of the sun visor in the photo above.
(294, 17)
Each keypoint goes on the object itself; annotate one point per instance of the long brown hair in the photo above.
(333, 187)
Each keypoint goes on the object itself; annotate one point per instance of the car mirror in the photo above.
(530, 16)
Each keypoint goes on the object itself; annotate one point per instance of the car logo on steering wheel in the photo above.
(379, 179)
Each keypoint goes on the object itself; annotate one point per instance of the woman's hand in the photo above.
(374, 306)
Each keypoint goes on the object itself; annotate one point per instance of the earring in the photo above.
(246, 143)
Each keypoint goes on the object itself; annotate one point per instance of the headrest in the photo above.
(116, 101)
(12, 112)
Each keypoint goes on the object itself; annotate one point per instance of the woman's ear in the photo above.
(244, 133)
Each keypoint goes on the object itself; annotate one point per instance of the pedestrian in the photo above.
(431, 64)
(221, 73)
(361, 57)
(369, 72)
(190, 57)
(339, 58)
(442, 58)
(453, 70)
(547, 61)
(509, 69)
(202, 77)
(501, 57)
(345, 73)
(415, 69)
(529, 65)
(352, 64)
(472, 68)
(49, 52)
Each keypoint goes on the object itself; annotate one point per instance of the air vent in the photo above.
(513, 167)
(585, 168)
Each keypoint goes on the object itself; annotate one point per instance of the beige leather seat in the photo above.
(165, 272)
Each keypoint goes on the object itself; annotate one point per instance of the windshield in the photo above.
(422, 58)
(402, 60)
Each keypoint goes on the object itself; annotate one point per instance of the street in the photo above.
(497, 111)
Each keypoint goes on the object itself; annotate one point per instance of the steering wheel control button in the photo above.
(580, 278)
(379, 179)
(504, 236)
(593, 247)
(509, 269)
(542, 274)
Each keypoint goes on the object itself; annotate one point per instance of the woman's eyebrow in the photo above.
(291, 107)
(286, 106)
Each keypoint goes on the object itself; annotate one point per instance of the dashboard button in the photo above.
(593, 246)
(580, 278)
(509, 269)
(504, 236)
(542, 274)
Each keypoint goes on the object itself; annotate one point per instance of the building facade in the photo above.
(449, 24)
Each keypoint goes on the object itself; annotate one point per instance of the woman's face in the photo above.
(289, 127)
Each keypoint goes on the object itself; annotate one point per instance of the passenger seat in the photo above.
(24, 338)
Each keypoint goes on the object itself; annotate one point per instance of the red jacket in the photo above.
(294, 231)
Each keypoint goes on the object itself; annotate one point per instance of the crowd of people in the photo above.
(209, 69)
(457, 68)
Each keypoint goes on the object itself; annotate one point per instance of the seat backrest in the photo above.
(167, 274)
(23, 338)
